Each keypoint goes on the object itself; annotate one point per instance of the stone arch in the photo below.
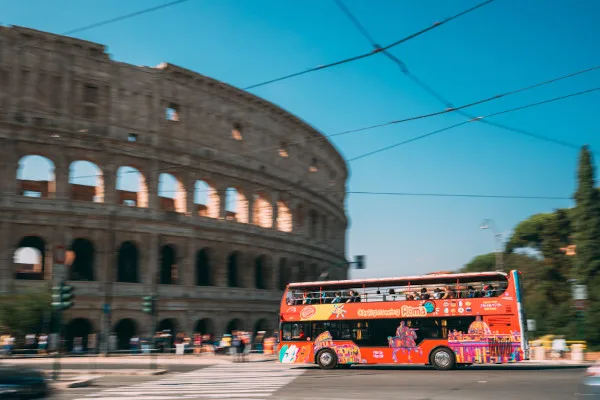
(206, 199)
(86, 181)
(205, 326)
(261, 272)
(233, 270)
(82, 266)
(169, 270)
(132, 187)
(284, 217)
(78, 327)
(29, 258)
(35, 177)
(172, 194)
(263, 325)
(204, 273)
(262, 211)
(170, 325)
(235, 324)
(125, 329)
(128, 262)
(285, 275)
(300, 217)
(236, 205)
(313, 220)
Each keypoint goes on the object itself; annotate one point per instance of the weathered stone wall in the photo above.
(66, 100)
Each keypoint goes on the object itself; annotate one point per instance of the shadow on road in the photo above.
(388, 367)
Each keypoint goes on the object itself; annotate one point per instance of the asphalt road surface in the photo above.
(278, 382)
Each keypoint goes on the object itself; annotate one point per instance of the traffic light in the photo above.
(148, 304)
(360, 262)
(63, 297)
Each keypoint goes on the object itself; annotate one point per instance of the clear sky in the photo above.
(503, 46)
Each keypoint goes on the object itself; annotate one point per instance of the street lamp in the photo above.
(489, 224)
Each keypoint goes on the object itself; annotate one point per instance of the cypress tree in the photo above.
(587, 219)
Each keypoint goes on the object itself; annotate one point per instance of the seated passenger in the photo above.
(424, 294)
(470, 292)
(337, 298)
(437, 293)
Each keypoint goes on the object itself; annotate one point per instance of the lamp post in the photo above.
(489, 224)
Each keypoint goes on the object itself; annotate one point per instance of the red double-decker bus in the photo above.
(445, 320)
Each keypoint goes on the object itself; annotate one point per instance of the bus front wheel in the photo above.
(327, 359)
(442, 359)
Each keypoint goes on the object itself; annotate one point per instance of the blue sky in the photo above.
(503, 46)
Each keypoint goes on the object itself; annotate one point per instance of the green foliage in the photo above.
(481, 263)
(24, 313)
(528, 233)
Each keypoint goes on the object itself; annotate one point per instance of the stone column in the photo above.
(219, 266)
(187, 275)
(109, 176)
(222, 193)
(152, 263)
(190, 187)
(6, 256)
(250, 197)
(275, 208)
(152, 185)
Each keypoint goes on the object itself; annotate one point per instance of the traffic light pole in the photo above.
(57, 328)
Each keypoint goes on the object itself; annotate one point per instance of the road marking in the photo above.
(248, 381)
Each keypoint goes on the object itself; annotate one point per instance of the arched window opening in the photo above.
(284, 274)
(132, 189)
(236, 132)
(82, 266)
(35, 177)
(76, 333)
(314, 222)
(128, 263)
(86, 181)
(236, 206)
(260, 273)
(125, 329)
(283, 150)
(313, 165)
(263, 211)
(203, 270)
(169, 271)
(171, 193)
(261, 326)
(284, 217)
(29, 258)
(232, 270)
(233, 325)
(168, 327)
(206, 200)
(300, 216)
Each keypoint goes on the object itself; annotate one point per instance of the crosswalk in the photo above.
(246, 381)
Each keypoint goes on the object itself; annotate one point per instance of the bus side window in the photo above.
(333, 327)
(296, 331)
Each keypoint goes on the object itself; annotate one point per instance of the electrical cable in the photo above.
(369, 54)
(123, 17)
(382, 149)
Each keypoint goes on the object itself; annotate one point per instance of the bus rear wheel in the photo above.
(442, 359)
(327, 359)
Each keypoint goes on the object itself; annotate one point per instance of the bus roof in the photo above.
(416, 279)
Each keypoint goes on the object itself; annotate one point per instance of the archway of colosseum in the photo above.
(261, 325)
(29, 258)
(206, 199)
(205, 326)
(125, 329)
(78, 328)
(236, 205)
(35, 177)
(284, 274)
(82, 267)
(262, 211)
(301, 272)
(284, 217)
(169, 273)
(132, 188)
(261, 272)
(204, 273)
(168, 325)
(233, 278)
(128, 263)
(86, 181)
(300, 217)
(312, 273)
(235, 324)
(172, 193)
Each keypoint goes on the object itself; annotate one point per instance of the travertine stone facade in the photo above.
(64, 99)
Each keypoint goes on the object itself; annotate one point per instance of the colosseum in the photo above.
(204, 195)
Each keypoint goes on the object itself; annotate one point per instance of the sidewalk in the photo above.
(557, 362)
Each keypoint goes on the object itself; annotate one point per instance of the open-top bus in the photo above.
(445, 320)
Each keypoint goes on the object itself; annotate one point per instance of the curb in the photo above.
(77, 382)
(127, 372)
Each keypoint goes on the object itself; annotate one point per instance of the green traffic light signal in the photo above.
(67, 296)
(148, 304)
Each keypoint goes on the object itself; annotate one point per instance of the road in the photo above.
(278, 382)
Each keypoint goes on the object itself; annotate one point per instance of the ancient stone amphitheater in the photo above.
(256, 197)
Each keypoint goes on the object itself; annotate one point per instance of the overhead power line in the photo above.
(369, 54)
(447, 103)
(380, 150)
(123, 17)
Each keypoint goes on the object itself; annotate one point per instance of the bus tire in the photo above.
(327, 359)
(442, 359)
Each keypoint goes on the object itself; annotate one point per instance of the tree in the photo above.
(587, 219)
(481, 263)
(25, 313)
(528, 233)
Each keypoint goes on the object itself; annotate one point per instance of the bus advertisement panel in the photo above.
(442, 320)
